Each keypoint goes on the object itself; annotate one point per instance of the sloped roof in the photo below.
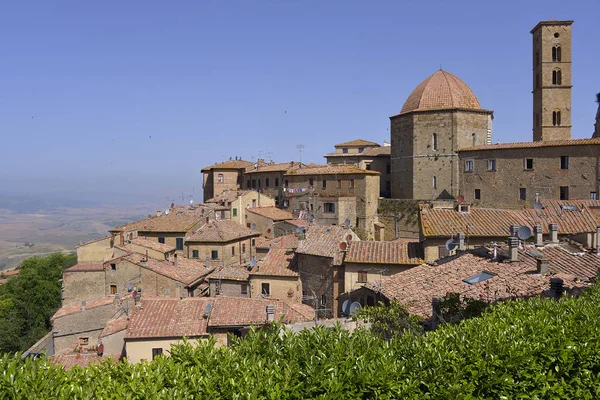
(377, 151)
(232, 272)
(384, 253)
(441, 90)
(170, 318)
(187, 271)
(153, 245)
(277, 262)
(179, 219)
(229, 164)
(533, 145)
(271, 212)
(287, 242)
(324, 241)
(243, 311)
(279, 167)
(70, 360)
(76, 307)
(221, 231)
(416, 287)
(331, 169)
(357, 143)
(563, 259)
(114, 326)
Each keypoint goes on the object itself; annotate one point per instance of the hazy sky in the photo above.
(134, 98)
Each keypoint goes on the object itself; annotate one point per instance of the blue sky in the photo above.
(134, 98)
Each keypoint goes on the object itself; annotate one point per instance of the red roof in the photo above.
(115, 326)
(84, 267)
(77, 307)
(287, 242)
(533, 145)
(170, 318)
(187, 271)
(277, 262)
(70, 360)
(384, 253)
(271, 212)
(241, 311)
(324, 241)
(224, 230)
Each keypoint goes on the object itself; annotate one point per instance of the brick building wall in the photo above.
(120, 276)
(503, 188)
(281, 287)
(316, 274)
(227, 253)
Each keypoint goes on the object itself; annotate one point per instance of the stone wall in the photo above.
(501, 188)
(228, 288)
(400, 218)
(286, 288)
(82, 285)
(316, 274)
(228, 253)
(95, 252)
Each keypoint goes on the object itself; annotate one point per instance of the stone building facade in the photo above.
(225, 176)
(513, 175)
(81, 282)
(441, 116)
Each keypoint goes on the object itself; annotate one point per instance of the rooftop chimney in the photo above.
(158, 213)
(543, 266)
(539, 235)
(553, 233)
(461, 241)
(175, 259)
(513, 230)
(270, 313)
(556, 287)
(513, 247)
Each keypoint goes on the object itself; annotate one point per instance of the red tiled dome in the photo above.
(442, 90)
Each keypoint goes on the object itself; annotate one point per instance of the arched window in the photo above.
(435, 141)
(556, 118)
(557, 77)
(556, 53)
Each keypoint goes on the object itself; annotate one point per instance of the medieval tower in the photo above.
(552, 80)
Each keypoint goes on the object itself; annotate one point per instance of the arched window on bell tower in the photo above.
(556, 118)
(556, 54)
(557, 77)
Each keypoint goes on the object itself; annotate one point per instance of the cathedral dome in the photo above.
(441, 91)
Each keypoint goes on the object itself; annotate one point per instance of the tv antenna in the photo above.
(300, 147)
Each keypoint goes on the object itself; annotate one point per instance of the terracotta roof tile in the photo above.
(384, 253)
(153, 245)
(532, 145)
(233, 272)
(489, 222)
(76, 307)
(115, 326)
(277, 262)
(170, 318)
(230, 164)
(324, 241)
(369, 152)
(563, 258)
(416, 287)
(221, 231)
(187, 271)
(84, 267)
(439, 91)
(242, 311)
(271, 212)
(357, 142)
(286, 242)
(179, 219)
(70, 360)
(332, 169)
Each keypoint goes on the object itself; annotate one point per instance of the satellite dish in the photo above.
(354, 307)
(346, 307)
(192, 201)
(311, 218)
(208, 308)
(524, 233)
(252, 261)
(130, 287)
(349, 238)
(167, 211)
(343, 246)
(299, 230)
(450, 244)
(253, 226)
(538, 206)
(346, 222)
(460, 199)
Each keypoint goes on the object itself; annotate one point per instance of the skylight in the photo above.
(480, 277)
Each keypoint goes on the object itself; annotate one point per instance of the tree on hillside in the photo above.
(28, 300)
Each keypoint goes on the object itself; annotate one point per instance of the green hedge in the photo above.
(530, 349)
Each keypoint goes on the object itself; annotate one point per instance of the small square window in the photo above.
(195, 254)
(214, 254)
(113, 267)
(528, 163)
(266, 182)
(564, 193)
(477, 194)
(491, 165)
(287, 182)
(161, 240)
(361, 149)
(233, 250)
(179, 243)
(323, 300)
(156, 352)
(113, 289)
(468, 165)
(244, 288)
(311, 181)
(235, 212)
(593, 196)
(265, 289)
(84, 341)
(324, 184)
(564, 162)
(243, 247)
(253, 242)
(345, 151)
(276, 182)
(522, 194)
(362, 276)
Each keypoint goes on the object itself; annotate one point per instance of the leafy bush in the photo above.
(28, 300)
(534, 349)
